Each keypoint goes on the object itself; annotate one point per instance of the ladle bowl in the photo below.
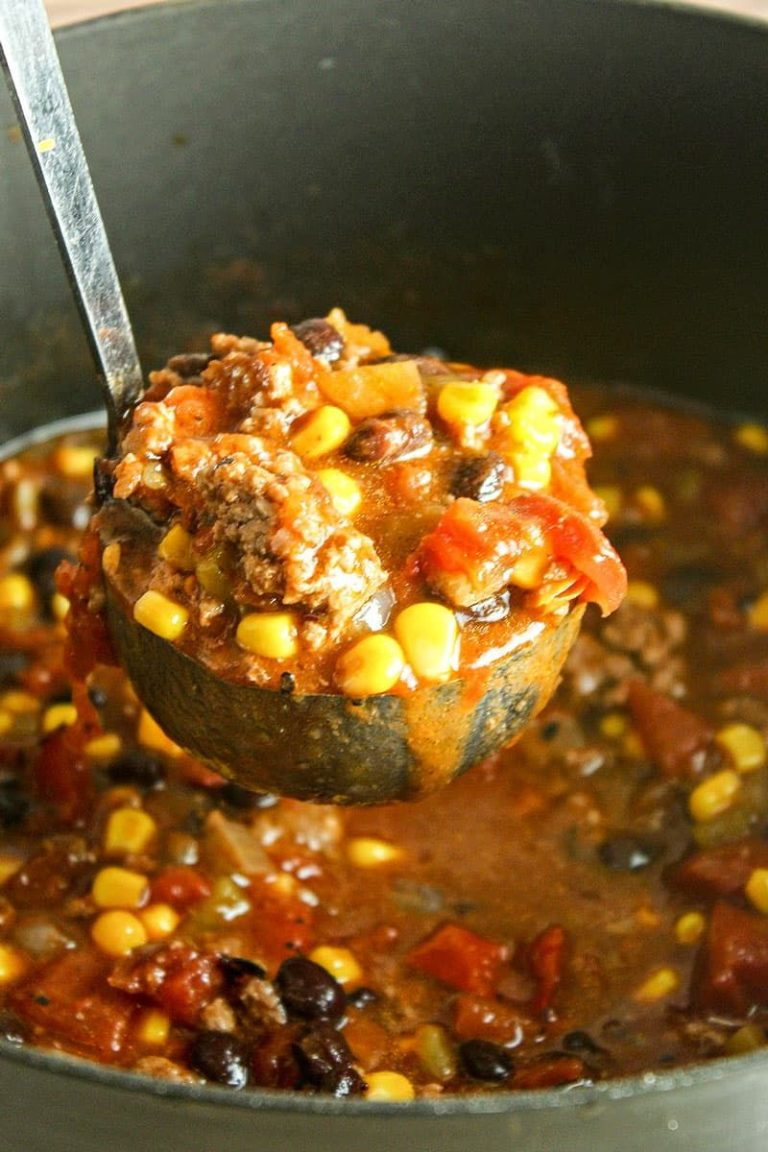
(316, 747)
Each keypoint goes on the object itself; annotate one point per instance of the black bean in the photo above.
(484, 1060)
(11, 664)
(308, 991)
(221, 1057)
(386, 439)
(190, 364)
(41, 569)
(628, 852)
(491, 609)
(138, 767)
(244, 799)
(59, 504)
(480, 478)
(12, 1028)
(579, 1041)
(13, 805)
(321, 338)
(237, 969)
(361, 997)
(287, 683)
(325, 1062)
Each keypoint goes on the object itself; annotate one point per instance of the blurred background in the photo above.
(65, 11)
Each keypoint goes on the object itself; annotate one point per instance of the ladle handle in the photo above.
(31, 63)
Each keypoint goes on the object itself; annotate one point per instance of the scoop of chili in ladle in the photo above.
(261, 728)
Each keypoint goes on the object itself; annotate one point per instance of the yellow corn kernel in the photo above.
(613, 725)
(59, 716)
(758, 613)
(389, 1086)
(748, 1038)
(117, 933)
(150, 735)
(12, 964)
(603, 428)
(17, 593)
(160, 615)
(59, 606)
(370, 667)
(340, 962)
(284, 884)
(714, 796)
(119, 888)
(368, 852)
(633, 745)
(7, 721)
(19, 703)
(110, 558)
(176, 548)
(754, 437)
(429, 636)
(612, 497)
(528, 570)
(532, 422)
(128, 830)
(75, 461)
(642, 594)
(153, 1028)
(344, 492)
(651, 503)
(466, 402)
(103, 748)
(8, 866)
(744, 745)
(270, 634)
(324, 431)
(531, 471)
(689, 928)
(756, 889)
(159, 920)
(663, 982)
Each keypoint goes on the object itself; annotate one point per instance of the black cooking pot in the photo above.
(573, 186)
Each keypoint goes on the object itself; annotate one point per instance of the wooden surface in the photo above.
(65, 11)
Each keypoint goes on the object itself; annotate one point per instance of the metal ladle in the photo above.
(312, 747)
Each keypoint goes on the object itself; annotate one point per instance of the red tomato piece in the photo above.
(460, 958)
(675, 739)
(177, 977)
(731, 976)
(180, 886)
(68, 1000)
(546, 955)
(480, 543)
(63, 775)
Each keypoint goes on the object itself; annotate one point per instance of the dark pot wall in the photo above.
(575, 186)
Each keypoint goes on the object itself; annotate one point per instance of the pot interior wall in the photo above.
(565, 185)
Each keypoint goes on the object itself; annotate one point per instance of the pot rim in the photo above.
(575, 1096)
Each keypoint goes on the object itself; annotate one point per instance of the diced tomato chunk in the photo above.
(68, 1001)
(675, 738)
(484, 1018)
(63, 775)
(731, 974)
(284, 923)
(460, 958)
(720, 871)
(550, 1073)
(180, 886)
(546, 956)
(177, 977)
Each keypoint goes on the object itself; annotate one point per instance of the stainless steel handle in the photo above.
(31, 63)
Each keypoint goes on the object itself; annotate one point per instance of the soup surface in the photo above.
(590, 903)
